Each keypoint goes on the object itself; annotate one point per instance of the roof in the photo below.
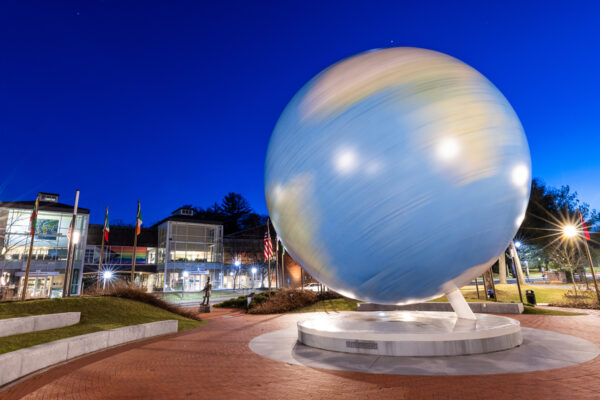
(43, 206)
(188, 218)
(122, 236)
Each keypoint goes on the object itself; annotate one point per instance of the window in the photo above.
(89, 255)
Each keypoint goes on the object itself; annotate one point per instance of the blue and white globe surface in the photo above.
(397, 175)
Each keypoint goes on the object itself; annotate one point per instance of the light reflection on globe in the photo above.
(397, 175)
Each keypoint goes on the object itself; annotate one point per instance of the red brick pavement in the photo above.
(214, 362)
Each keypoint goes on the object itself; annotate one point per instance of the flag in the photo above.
(33, 219)
(70, 230)
(106, 226)
(138, 223)
(585, 230)
(268, 253)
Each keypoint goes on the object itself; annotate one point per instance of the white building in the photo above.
(50, 247)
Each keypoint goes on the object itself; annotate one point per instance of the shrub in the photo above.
(285, 300)
(239, 302)
(584, 299)
(329, 295)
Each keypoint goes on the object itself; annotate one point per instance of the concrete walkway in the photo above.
(215, 362)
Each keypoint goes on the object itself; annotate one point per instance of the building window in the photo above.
(89, 256)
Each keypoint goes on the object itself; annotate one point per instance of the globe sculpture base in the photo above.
(410, 333)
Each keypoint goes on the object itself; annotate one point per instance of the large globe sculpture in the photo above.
(397, 175)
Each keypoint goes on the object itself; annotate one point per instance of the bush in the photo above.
(125, 291)
(239, 302)
(279, 301)
(329, 295)
(242, 301)
(584, 299)
(285, 300)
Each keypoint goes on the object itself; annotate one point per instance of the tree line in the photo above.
(234, 211)
(549, 210)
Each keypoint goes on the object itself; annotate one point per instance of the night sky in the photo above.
(173, 103)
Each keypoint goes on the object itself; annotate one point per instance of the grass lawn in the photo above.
(545, 311)
(330, 305)
(97, 314)
(508, 293)
(350, 305)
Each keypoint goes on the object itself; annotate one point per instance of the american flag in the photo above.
(268, 245)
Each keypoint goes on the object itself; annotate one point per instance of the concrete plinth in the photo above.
(204, 308)
(410, 333)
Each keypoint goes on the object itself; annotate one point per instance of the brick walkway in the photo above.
(214, 362)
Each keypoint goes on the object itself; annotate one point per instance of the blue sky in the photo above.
(173, 103)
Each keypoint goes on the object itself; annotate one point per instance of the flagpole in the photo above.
(135, 243)
(270, 255)
(102, 250)
(32, 232)
(589, 257)
(282, 266)
(277, 262)
(71, 251)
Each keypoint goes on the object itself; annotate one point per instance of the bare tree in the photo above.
(9, 240)
(567, 257)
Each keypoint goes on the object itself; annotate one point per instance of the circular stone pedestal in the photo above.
(410, 333)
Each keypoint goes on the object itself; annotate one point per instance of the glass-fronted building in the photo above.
(50, 247)
(188, 252)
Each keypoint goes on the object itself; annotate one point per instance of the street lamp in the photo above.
(107, 275)
(518, 244)
(253, 272)
(237, 263)
(570, 231)
(185, 275)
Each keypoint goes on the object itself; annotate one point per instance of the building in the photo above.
(189, 252)
(118, 254)
(50, 246)
(181, 247)
(177, 254)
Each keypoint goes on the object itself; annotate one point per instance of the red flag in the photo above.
(586, 233)
(33, 219)
(106, 226)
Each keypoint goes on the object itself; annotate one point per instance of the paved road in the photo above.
(214, 362)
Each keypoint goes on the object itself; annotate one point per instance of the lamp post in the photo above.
(185, 275)
(237, 263)
(106, 276)
(570, 232)
(253, 272)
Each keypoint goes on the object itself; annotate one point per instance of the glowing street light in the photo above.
(569, 231)
(518, 244)
(107, 276)
(253, 272)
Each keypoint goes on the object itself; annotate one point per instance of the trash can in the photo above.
(530, 295)
(491, 295)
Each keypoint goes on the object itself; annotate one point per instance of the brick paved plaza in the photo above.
(214, 362)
